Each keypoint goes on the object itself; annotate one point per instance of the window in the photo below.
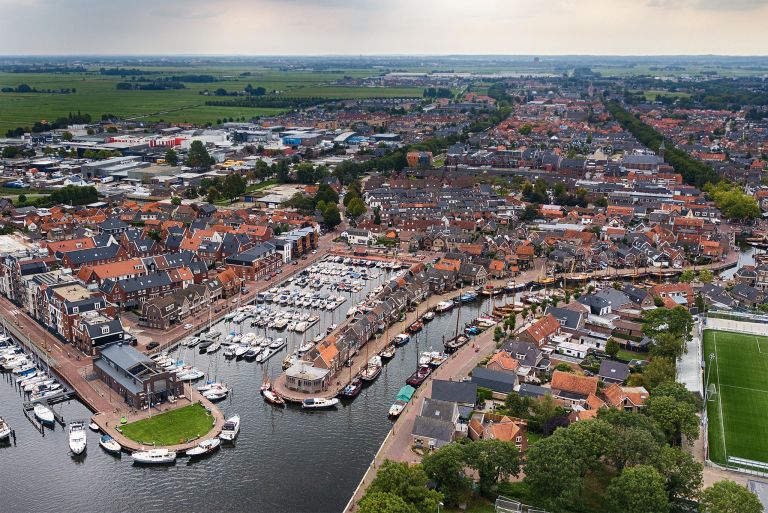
(104, 330)
(518, 439)
(75, 309)
(97, 305)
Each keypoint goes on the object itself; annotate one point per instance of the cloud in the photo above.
(710, 5)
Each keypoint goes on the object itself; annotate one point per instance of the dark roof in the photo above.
(436, 429)
(462, 392)
(497, 381)
(437, 409)
(143, 282)
(84, 256)
(529, 390)
(251, 255)
(613, 371)
(568, 318)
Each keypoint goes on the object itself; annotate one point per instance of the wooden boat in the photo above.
(416, 327)
(388, 352)
(372, 370)
(352, 390)
(418, 377)
(455, 343)
(273, 397)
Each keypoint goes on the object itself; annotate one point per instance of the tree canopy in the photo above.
(729, 497)
(198, 157)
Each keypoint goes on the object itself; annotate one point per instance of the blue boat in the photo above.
(468, 297)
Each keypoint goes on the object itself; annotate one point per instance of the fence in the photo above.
(506, 505)
(744, 322)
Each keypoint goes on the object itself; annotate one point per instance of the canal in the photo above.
(285, 460)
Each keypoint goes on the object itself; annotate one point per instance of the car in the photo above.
(279, 271)
(267, 278)
(304, 257)
(295, 262)
(152, 345)
(314, 252)
(188, 326)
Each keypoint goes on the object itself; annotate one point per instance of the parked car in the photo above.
(152, 345)
(188, 326)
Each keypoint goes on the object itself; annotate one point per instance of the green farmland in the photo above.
(96, 94)
(738, 397)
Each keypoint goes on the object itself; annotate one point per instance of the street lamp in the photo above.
(439, 504)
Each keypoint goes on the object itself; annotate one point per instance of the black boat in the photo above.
(352, 390)
(203, 346)
(418, 377)
(251, 354)
(455, 343)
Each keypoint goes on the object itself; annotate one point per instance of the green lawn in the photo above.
(171, 428)
(627, 355)
(738, 425)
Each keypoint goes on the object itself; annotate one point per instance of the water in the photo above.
(285, 460)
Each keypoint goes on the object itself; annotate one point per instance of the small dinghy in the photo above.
(94, 427)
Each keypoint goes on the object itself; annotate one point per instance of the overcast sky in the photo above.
(317, 27)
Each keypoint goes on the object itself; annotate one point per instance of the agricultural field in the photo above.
(737, 383)
(96, 94)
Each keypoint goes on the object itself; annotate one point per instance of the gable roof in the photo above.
(569, 382)
(462, 392)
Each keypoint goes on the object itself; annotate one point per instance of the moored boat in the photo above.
(154, 457)
(401, 400)
(418, 377)
(455, 343)
(372, 370)
(316, 403)
(109, 444)
(273, 397)
(44, 415)
(231, 428)
(428, 316)
(416, 327)
(77, 439)
(388, 352)
(205, 447)
(5, 429)
(352, 390)
(443, 306)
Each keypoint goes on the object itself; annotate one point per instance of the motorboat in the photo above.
(252, 353)
(418, 377)
(204, 345)
(264, 355)
(331, 328)
(277, 344)
(401, 339)
(190, 374)
(352, 390)
(214, 347)
(77, 439)
(191, 342)
(401, 400)
(428, 316)
(5, 429)
(468, 297)
(242, 349)
(416, 327)
(316, 403)
(109, 444)
(44, 415)
(154, 457)
(230, 352)
(443, 306)
(231, 428)
(273, 397)
(205, 447)
(211, 334)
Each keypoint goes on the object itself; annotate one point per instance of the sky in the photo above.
(355, 27)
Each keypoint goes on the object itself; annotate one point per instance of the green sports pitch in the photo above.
(736, 378)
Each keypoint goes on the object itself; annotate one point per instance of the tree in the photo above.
(356, 208)
(176, 201)
(729, 497)
(446, 468)
(658, 371)
(706, 276)
(305, 173)
(326, 193)
(381, 502)
(631, 446)
(678, 321)
(332, 216)
(552, 473)
(234, 185)
(676, 419)
(198, 157)
(213, 195)
(529, 213)
(22, 199)
(407, 482)
(668, 345)
(171, 157)
(493, 460)
(612, 347)
(638, 489)
(517, 405)
(678, 392)
(733, 202)
(681, 472)
(687, 276)
(377, 215)
(67, 135)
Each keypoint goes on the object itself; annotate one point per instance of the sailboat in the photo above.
(372, 369)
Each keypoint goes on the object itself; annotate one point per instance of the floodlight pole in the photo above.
(709, 369)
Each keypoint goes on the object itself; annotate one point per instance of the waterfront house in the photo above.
(435, 426)
(541, 331)
(499, 382)
(135, 377)
(463, 393)
(307, 379)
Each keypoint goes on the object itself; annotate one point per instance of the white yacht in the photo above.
(231, 428)
(77, 439)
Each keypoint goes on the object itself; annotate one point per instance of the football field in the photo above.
(736, 380)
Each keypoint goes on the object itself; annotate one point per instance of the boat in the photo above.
(273, 397)
(77, 439)
(428, 316)
(455, 343)
(5, 429)
(109, 444)
(204, 345)
(205, 447)
(94, 427)
(372, 370)
(468, 297)
(331, 328)
(154, 457)
(252, 353)
(388, 352)
(443, 306)
(191, 342)
(214, 347)
(211, 334)
(190, 374)
(216, 392)
(401, 339)
(230, 429)
(352, 390)
(44, 415)
(230, 351)
(416, 327)
(418, 377)
(241, 350)
(402, 398)
(316, 403)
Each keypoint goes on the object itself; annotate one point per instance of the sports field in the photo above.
(737, 407)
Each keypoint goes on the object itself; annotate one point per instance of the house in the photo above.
(532, 362)
(626, 398)
(572, 389)
(92, 331)
(358, 236)
(613, 372)
(541, 331)
(473, 273)
(567, 317)
(435, 426)
(498, 382)
(305, 378)
(674, 294)
(485, 426)
(747, 296)
(135, 377)
(463, 393)
(160, 313)
(254, 263)
(504, 362)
